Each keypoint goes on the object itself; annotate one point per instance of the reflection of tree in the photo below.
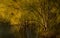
(5, 29)
(29, 29)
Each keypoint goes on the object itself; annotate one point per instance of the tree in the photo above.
(35, 18)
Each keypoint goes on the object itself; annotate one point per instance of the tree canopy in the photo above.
(30, 18)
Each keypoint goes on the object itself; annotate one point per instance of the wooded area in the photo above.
(29, 18)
